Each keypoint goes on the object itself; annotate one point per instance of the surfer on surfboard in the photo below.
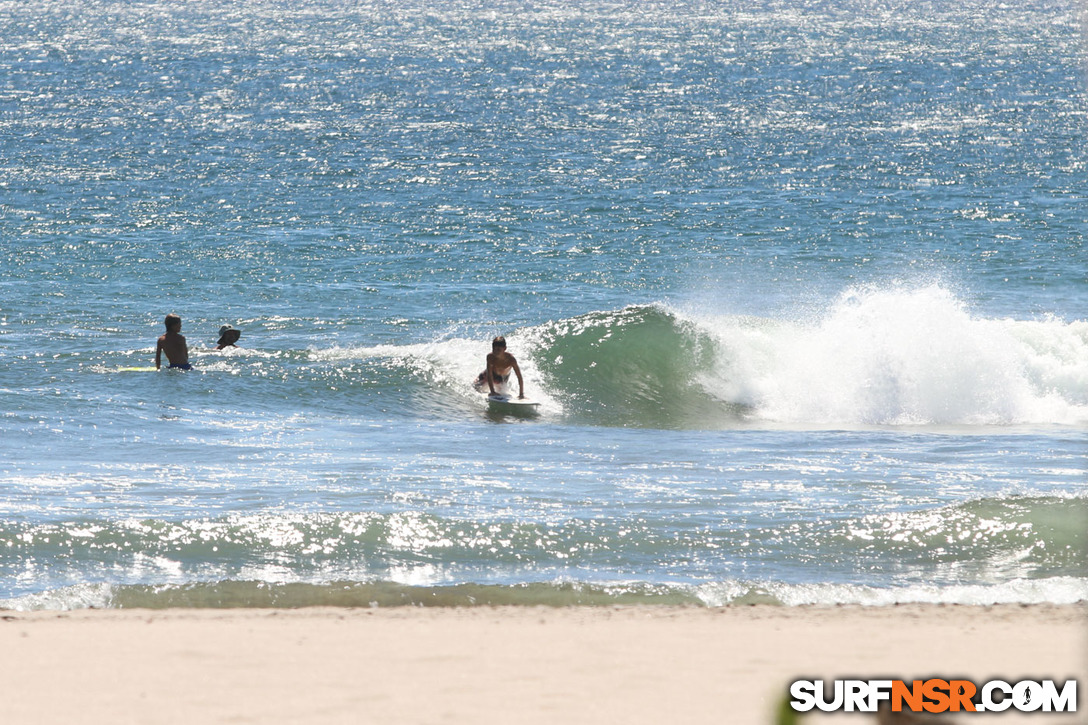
(500, 364)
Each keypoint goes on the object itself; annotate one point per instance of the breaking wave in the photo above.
(874, 357)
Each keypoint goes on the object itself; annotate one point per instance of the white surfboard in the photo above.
(508, 405)
(138, 369)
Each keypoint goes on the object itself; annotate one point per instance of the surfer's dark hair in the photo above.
(172, 321)
(499, 341)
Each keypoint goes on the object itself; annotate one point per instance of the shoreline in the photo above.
(639, 664)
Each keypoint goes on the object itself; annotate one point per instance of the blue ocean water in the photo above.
(801, 287)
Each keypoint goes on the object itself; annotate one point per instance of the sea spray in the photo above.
(902, 357)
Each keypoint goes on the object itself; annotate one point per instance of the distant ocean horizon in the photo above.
(801, 288)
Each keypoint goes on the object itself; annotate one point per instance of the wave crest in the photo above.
(874, 357)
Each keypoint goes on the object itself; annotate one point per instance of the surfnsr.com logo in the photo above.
(933, 695)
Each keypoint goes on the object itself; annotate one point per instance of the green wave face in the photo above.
(635, 367)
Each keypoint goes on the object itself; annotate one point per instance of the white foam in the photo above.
(903, 357)
(453, 363)
(82, 596)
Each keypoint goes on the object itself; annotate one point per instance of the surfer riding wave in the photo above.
(500, 364)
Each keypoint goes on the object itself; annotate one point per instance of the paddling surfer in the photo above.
(500, 364)
(173, 344)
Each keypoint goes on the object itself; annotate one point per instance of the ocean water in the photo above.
(801, 287)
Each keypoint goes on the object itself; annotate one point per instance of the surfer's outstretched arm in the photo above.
(490, 375)
(521, 382)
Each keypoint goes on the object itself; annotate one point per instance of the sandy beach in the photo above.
(505, 665)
